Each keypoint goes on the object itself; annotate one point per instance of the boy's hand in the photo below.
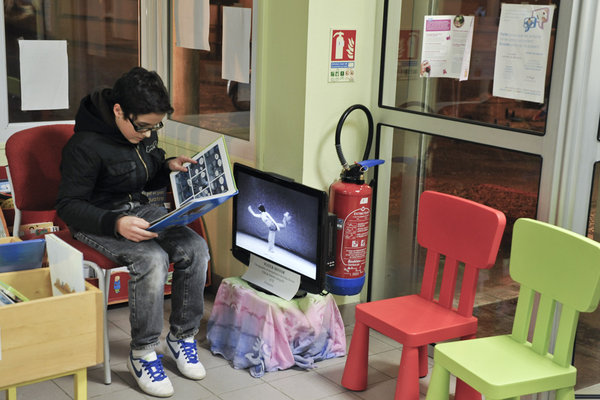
(134, 228)
(176, 164)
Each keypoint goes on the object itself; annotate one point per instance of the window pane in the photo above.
(587, 341)
(200, 96)
(503, 179)
(102, 44)
(472, 99)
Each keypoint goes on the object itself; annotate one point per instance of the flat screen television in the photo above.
(283, 222)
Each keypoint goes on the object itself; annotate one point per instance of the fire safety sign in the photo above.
(342, 63)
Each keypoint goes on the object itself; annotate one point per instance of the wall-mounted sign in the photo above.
(342, 61)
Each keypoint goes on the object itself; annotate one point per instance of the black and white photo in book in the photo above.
(204, 179)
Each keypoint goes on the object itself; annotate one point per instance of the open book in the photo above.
(203, 187)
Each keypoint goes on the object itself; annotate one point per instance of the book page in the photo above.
(210, 177)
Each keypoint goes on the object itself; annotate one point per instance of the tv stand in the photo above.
(261, 332)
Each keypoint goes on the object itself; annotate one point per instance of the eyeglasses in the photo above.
(138, 128)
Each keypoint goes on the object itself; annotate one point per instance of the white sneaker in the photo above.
(185, 354)
(149, 374)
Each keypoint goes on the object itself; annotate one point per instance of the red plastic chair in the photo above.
(34, 157)
(463, 232)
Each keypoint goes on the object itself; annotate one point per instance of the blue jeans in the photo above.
(148, 264)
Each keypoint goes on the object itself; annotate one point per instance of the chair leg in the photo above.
(11, 393)
(407, 386)
(465, 392)
(423, 362)
(104, 285)
(80, 384)
(439, 385)
(565, 394)
(107, 377)
(355, 371)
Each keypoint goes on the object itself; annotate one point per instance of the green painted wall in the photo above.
(298, 109)
(281, 86)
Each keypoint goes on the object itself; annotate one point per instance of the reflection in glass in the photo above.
(467, 100)
(200, 96)
(504, 179)
(587, 341)
(97, 34)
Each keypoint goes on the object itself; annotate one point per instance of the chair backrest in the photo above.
(463, 231)
(34, 157)
(561, 267)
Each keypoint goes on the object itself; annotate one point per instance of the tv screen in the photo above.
(281, 221)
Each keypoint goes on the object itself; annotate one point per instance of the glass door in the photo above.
(527, 158)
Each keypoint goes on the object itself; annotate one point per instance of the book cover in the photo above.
(66, 266)
(5, 300)
(203, 187)
(13, 294)
(16, 255)
(31, 228)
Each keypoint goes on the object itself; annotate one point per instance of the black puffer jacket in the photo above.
(101, 170)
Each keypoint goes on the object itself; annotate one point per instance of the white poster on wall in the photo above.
(522, 51)
(192, 24)
(237, 22)
(447, 42)
(41, 59)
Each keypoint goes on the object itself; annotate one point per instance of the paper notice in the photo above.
(192, 24)
(522, 51)
(237, 22)
(447, 43)
(44, 74)
(271, 277)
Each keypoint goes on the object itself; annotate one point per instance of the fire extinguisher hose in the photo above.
(338, 133)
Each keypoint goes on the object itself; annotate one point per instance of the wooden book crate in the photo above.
(48, 335)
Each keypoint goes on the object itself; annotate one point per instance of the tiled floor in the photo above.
(224, 382)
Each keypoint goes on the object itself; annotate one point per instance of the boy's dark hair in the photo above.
(140, 91)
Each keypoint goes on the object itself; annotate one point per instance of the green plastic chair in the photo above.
(563, 268)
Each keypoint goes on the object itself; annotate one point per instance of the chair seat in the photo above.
(415, 321)
(498, 367)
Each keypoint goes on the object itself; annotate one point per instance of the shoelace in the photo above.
(154, 368)
(190, 351)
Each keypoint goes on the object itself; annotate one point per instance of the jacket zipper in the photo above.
(143, 163)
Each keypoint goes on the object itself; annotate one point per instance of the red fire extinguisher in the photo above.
(350, 200)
